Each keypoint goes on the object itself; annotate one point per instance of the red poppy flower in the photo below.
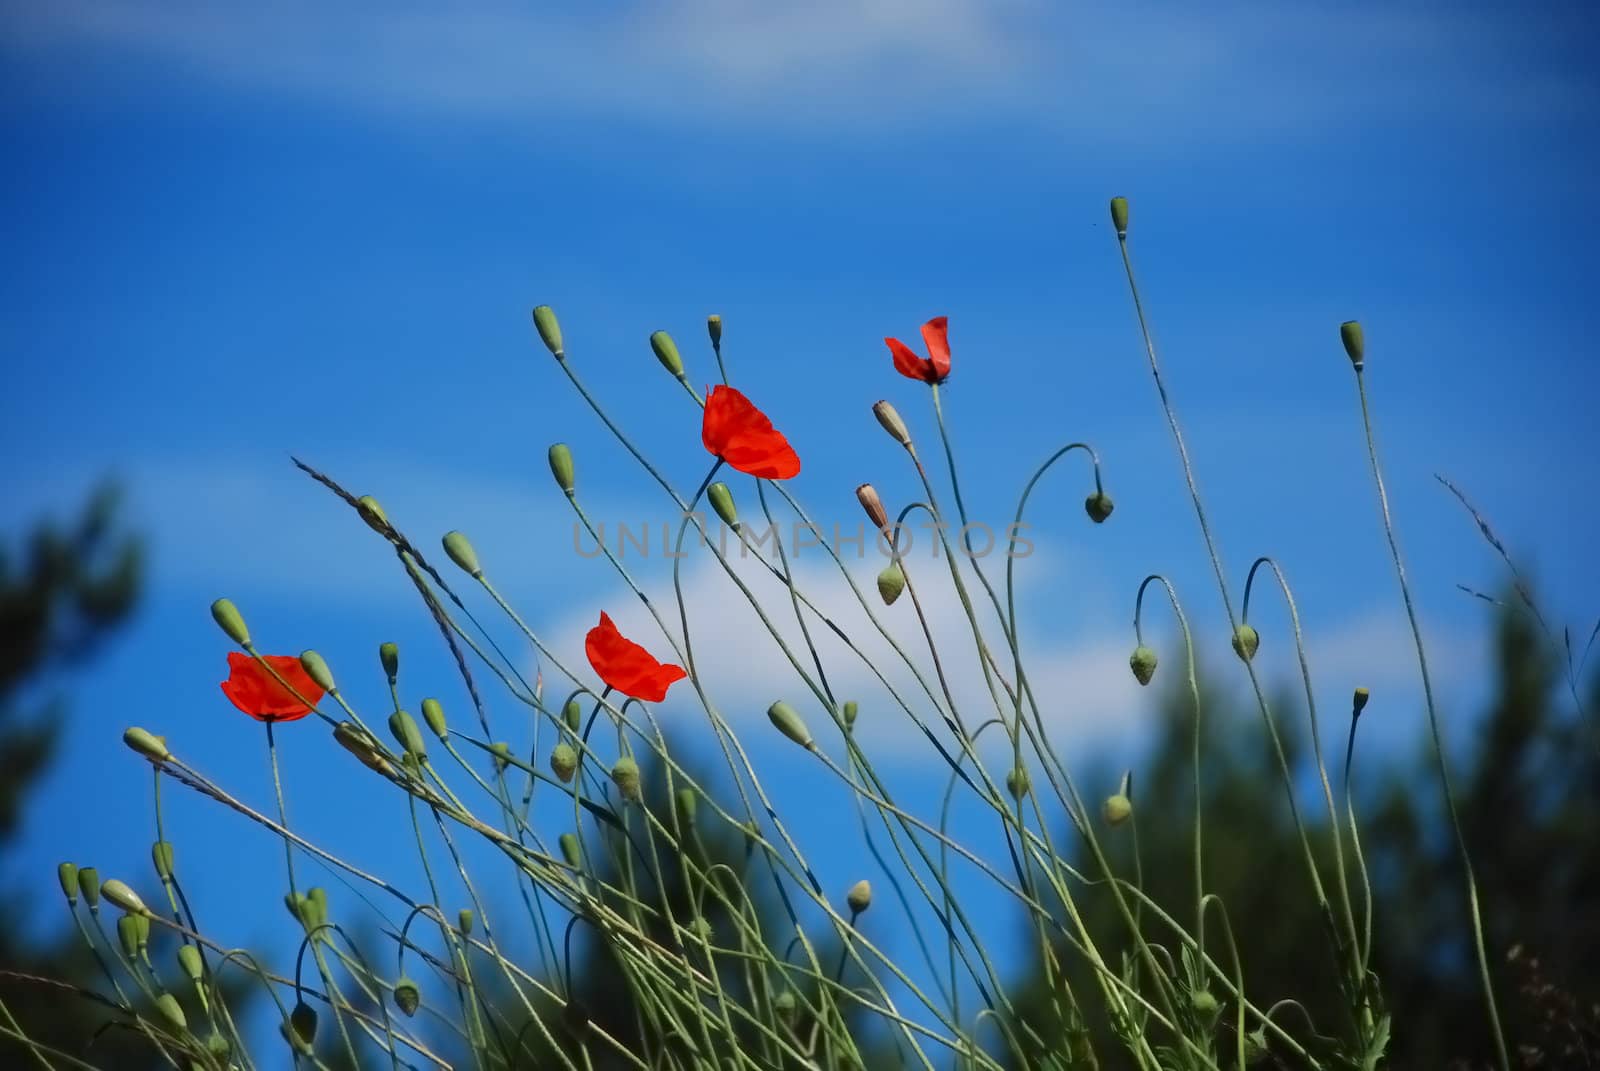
(626, 666)
(935, 368)
(255, 691)
(741, 435)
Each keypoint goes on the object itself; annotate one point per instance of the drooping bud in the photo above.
(867, 495)
(783, 1005)
(1119, 215)
(561, 467)
(544, 318)
(859, 897)
(219, 1047)
(722, 502)
(564, 762)
(501, 754)
(1245, 642)
(1360, 702)
(1098, 506)
(67, 874)
(1355, 342)
(227, 617)
(172, 1011)
(789, 723)
(161, 858)
(464, 921)
(190, 962)
(686, 801)
(297, 906)
(371, 511)
(625, 775)
(118, 893)
(714, 329)
(317, 669)
(666, 352)
(147, 744)
(891, 582)
(571, 849)
(1117, 809)
(1018, 783)
(890, 419)
(128, 935)
(389, 656)
(404, 728)
(851, 710)
(316, 907)
(1143, 663)
(572, 714)
(89, 885)
(460, 550)
(303, 1021)
(407, 997)
(433, 717)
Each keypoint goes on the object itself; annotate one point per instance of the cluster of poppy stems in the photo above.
(277, 688)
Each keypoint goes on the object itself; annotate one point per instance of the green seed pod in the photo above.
(625, 775)
(722, 502)
(389, 655)
(433, 716)
(407, 997)
(128, 935)
(889, 417)
(161, 858)
(891, 582)
(1018, 783)
(464, 921)
(404, 728)
(789, 723)
(227, 617)
(501, 753)
(1245, 642)
(783, 1005)
(686, 801)
(190, 962)
(317, 669)
(1360, 702)
(859, 897)
(544, 318)
(119, 894)
(1119, 215)
(572, 714)
(172, 1011)
(1117, 809)
(851, 710)
(372, 512)
(460, 550)
(89, 885)
(1098, 506)
(67, 874)
(147, 744)
(303, 1022)
(666, 352)
(564, 762)
(571, 849)
(561, 467)
(714, 329)
(1143, 664)
(1355, 343)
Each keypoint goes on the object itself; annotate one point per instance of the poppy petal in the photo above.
(936, 334)
(907, 363)
(255, 691)
(741, 435)
(626, 666)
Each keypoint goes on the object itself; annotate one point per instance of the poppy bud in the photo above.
(544, 318)
(572, 714)
(89, 885)
(859, 897)
(502, 755)
(297, 907)
(851, 710)
(406, 733)
(1119, 215)
(1117, 809)
(389, 655)
(571, 850)
(700, 928)
(625, 775)
(890, 419)
(355, 740)
(788, 722)
(561, 466)
(1245, 642)
(464, 921)
(666, 352)
(1355, 343)
(67, 874)
(128, 935)
(219, 1047)
(783, 1005)
(686, 802)
(189, 960)
(303, 1022)
(459, 548)
(147, 744)
(1098, 506)
(317, 669)
(722, 502)
(891, 582)
(1143, 663)
(867, 495)
(1360, 702)
(161, 858)
(433, 717)
(407, 997)
(118, 893)
(1018, 783)
(714, 329)
(1204, 1003)
(564, 762)
(226, 615)
(316, 906)
(172, 1011)
(372, 512)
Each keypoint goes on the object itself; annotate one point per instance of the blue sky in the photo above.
(237, 234)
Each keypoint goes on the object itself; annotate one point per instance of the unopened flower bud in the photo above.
(219, 1047)
(172, 1011)
(561, 466)
(500, 751)
(1098, 506)
(1245, 642)
(303, 1021)
(1018, 783)
(788, 722)
(297, 907)
(564, 762)
(389, 656)
(433, 717)
(128, 935)
(161, 859)
(371, 511)
(572, 714)
(464, 921)
(544, 318)
(407, 997)
(890, 419)
(316, 907)
(191, 963)
(356, 740)
(891, 582)
(1360, 702)
(571, 849)
(1143, 664)
(1119, 215)
(147, 744)
(666, 352)
(1355, 343)
(1117, 809)
(89, 885)
(317, 669)
(625, 775)
(850, 712)
(67, 874)
(859, 897)
(227, 617)
(722, 502)
(867, 495)
(118, 893)
(404, 728)
(686, 802)
(460, 550)
(783, 1005)
(1204, 1003)
(714, 329)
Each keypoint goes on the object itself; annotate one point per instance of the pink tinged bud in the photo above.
(460, 550)
(787, 721)
(544, 318)
(889, 417)
(867, 495)
(1355, 343)
(227, 617)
